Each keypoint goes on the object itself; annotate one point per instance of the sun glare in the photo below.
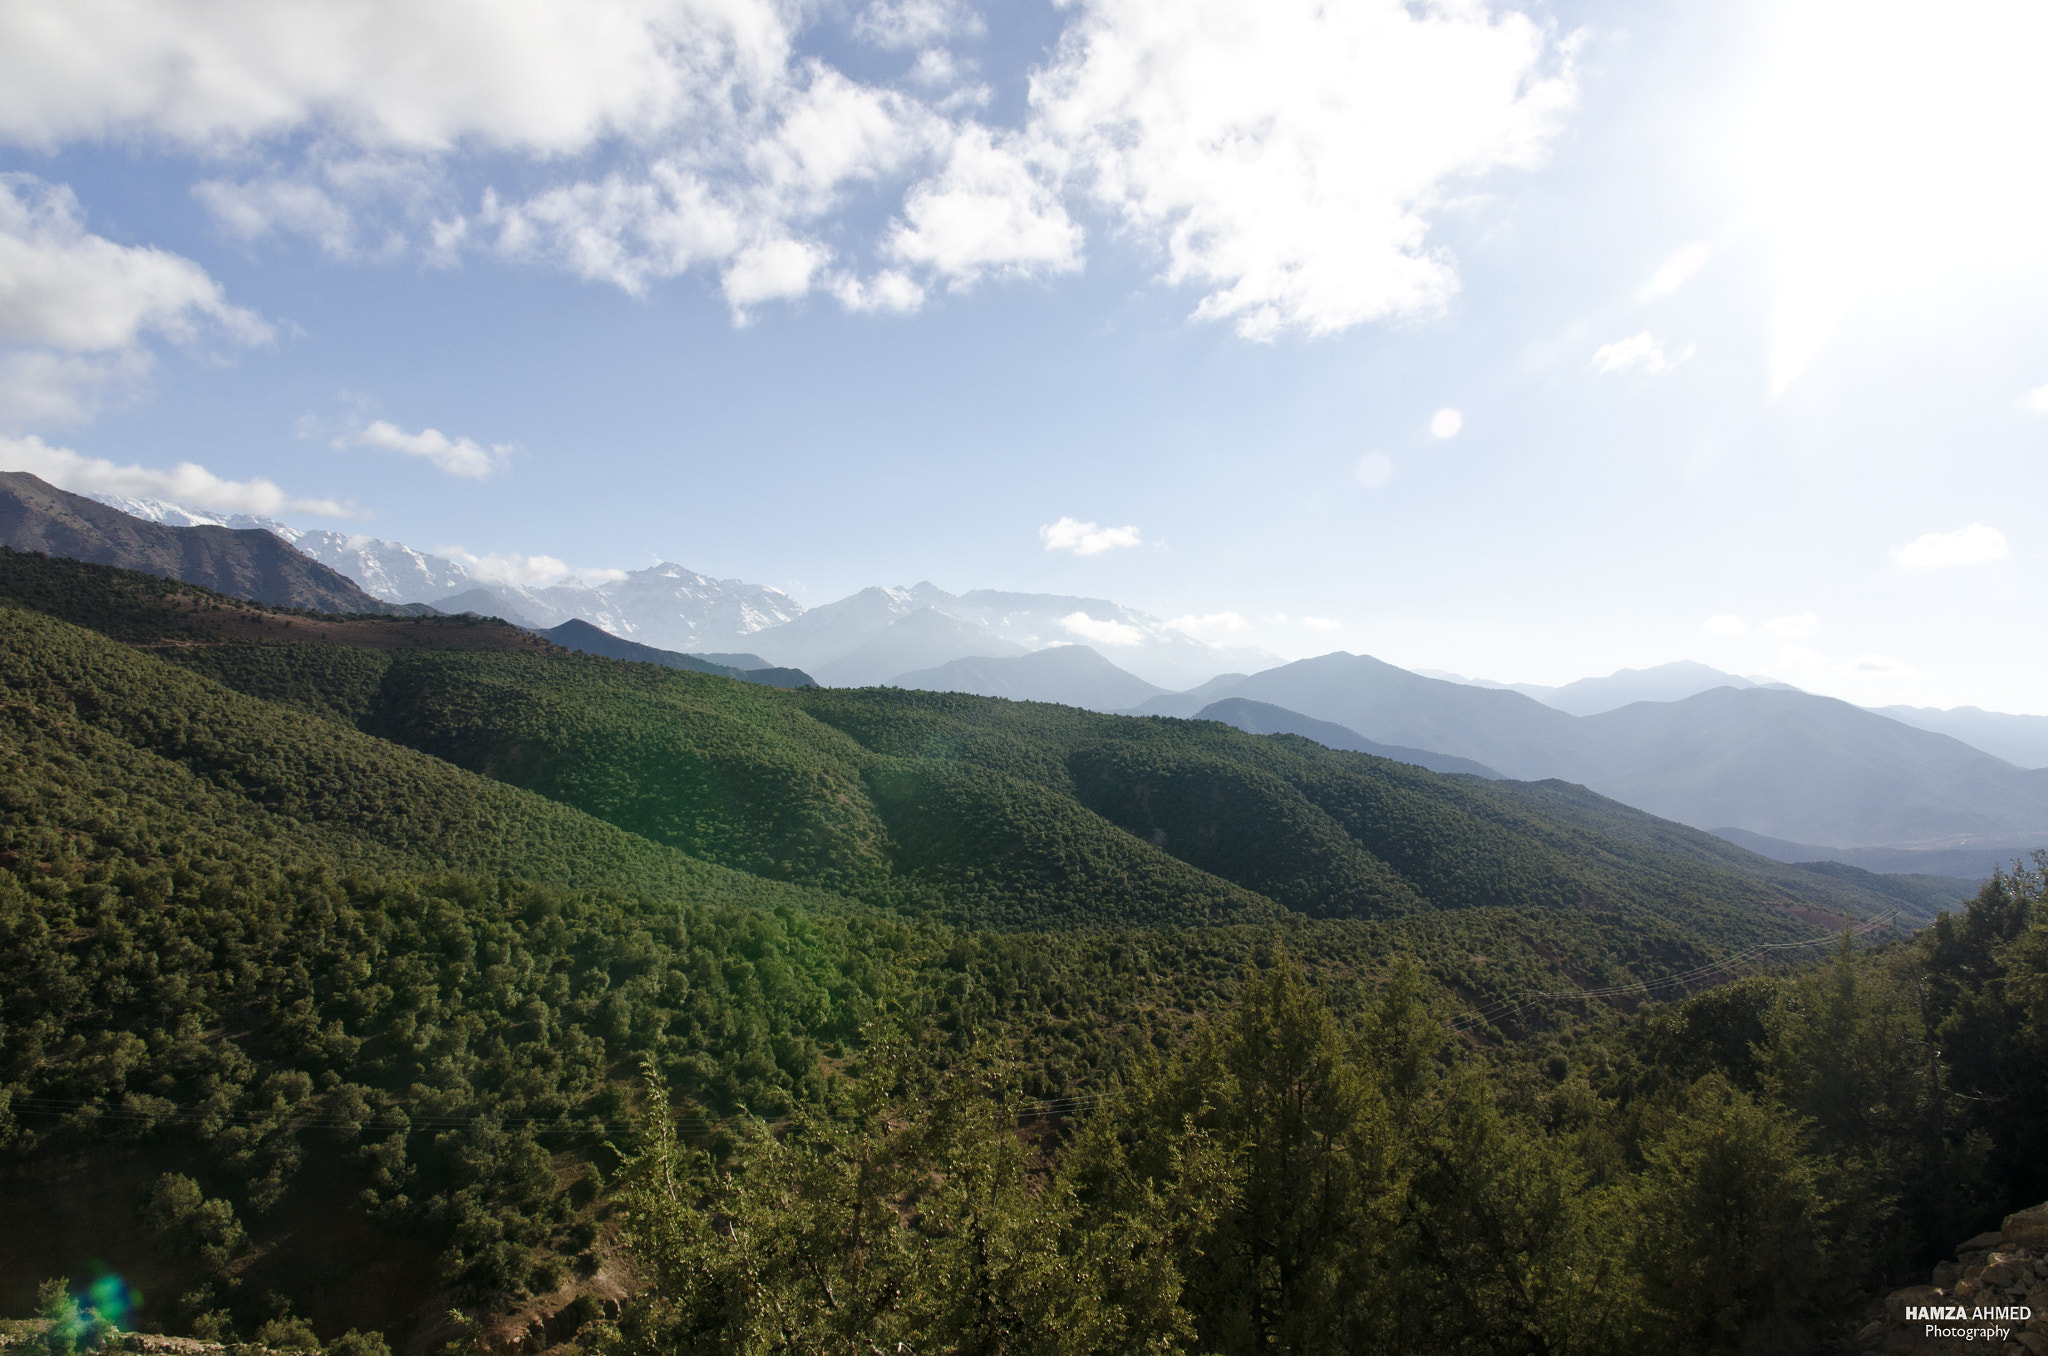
(1892, 149)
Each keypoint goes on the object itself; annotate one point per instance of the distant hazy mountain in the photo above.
(243, 563)
(1765, 759)
(1809, 769)
(1137, 642)
(1664, 683)
(917, 640)
(2019, 740)
(1505, 730)
(581, 636)
(1071, 675)
(1262, 718)
(1189, 702)
(1973, 862)
(825, 639)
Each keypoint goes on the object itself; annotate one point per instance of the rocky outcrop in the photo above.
(1992, 1298)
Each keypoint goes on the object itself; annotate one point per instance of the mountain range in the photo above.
(243, 562)
(1749, 757)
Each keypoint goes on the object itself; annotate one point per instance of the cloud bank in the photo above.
(186, 483)
(1284, 159)
(1972, 545)
(76, 309)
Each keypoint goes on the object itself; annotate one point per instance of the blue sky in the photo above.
(1740, 307)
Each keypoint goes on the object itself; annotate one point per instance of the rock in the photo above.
(1896, 1303)
(1985, 1242)
(2003, 1270)
(2026, 1228)
(2034, 1342)
(1945, 1275)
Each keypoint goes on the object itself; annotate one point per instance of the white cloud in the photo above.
(1321, 623)
(185, 483)
(39, 388)
(511, 567)
(2037, 399)
(1445, 423)
(1972, 545)
(776, 270)
(1639, 353)
(1208, 623)
(1102, 632)
(1286, 155)
(63, 288)
(740, 196)
(78, 308)
(902, 24)
(1727, 624)
(254, 209)
(1086, 539)
(985, 212)
(1883, 666)
(514, 74)
(1678, 269)
(1374, 469)
(456, 456)
(1799, 627)
(891, 290)
(1286, 158)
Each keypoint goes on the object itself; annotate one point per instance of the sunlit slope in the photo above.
(1017, 814)
(156, 760)
(980, 810)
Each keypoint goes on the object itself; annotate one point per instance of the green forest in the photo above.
(408, 985)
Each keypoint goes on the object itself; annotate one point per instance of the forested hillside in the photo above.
(357, 970)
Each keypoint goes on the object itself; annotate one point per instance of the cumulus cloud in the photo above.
(1374, 469)
(1639, 353)
(186, 483)
(1446, 423)
(61, 287)
(1285, 156)
(456, 456)
(1727, 624)
(1208, 623)
(1972, 545)
(1086, 539)
(77, 308)
(1102, 632)
(2037, 399)
(986, 211)
(1877, 665)
(1320, 623)
(1799, 627)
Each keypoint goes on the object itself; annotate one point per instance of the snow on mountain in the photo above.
(675, 608)
(861, 638)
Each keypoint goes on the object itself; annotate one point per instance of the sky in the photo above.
(1520, 341)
